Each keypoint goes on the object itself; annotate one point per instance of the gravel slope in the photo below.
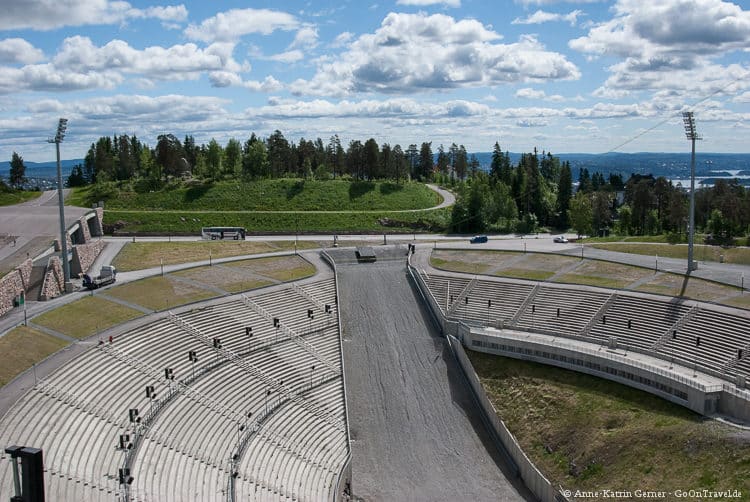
(416, 432)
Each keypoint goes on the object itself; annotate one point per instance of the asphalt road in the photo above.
(416, 431)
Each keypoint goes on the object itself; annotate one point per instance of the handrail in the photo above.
(256, 372)
(292, 335)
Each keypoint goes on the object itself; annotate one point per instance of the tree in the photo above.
(426, 161)
(17, 175)
(255, 161)
(371, 157)
(279, 154)
(76, 178)
(232, 157)
(580, 213)
(601, 211)
(442, 161)
(461, 162)
(564, 193)
(169, 155)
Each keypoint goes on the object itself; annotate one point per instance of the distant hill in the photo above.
(42, 169)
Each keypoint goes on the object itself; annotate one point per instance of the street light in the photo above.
(689, 122)
(61, 127)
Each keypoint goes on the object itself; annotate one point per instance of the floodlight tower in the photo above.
(61, 127)
(692, 135)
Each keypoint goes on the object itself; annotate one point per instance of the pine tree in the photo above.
(17, 173)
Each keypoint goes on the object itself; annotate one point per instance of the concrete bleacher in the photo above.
(665, 327)
(185, 450)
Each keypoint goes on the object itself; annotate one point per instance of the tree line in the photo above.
(123, 158)
(537, 191)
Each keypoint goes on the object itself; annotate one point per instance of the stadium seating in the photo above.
(666, 327)
(295, 435)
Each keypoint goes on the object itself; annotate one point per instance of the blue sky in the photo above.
(564, 76)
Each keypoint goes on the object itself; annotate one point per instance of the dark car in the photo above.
(478, 239)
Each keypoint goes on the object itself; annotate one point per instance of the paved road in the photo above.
(32, 221)
(416, 431)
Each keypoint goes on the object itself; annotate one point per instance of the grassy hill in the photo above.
(587, 433)
(269, 195)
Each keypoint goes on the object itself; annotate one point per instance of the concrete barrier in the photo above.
(531, 476)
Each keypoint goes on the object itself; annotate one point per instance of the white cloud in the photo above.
(541, 16)
(342, 39)
(235, 23)
(18, 50)
(424, 3)
(288, 56)
(49, 14)
(530, 93)
(527, 3)
(669, 28)
(417, 52)
(80, 64)
(306, 37)
(531, 123)
(230, 79)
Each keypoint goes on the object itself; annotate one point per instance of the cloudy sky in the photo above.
(564, 76)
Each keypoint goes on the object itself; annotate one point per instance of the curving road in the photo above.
(416, 431)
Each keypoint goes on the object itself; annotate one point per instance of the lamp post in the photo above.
(689, 122)
(61, 127)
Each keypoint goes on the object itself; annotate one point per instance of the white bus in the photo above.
(214, 233)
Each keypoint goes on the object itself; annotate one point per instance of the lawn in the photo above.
(160, 293)
(697, 289)
(280, 268)
(86, 316)
(274, 195)
(125, 222)
(140, 255)
(587, 433)
(227, 278)
(16, 197)
(470, 261)
(536, 266)
(604, 274)
(701, 252)
(23, 347)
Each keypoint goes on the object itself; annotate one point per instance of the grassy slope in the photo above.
(588, 433)
(25, 346)
(278, 195)
(737, 255)
(86, 316)
(10, 198)
(191, 223)
(140, 255)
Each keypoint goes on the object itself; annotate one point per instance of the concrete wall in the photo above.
(531, 476)
(657, 381)
(13, 284)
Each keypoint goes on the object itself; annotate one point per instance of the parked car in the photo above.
(561, 239)
(478, 239)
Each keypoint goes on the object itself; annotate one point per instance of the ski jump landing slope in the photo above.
(416, 431)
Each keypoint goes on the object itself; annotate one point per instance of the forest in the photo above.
(537, 192)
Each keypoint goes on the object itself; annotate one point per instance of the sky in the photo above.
(589, 76)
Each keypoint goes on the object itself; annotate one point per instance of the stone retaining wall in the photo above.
(84, 256)
(13, 284)
(54, 282)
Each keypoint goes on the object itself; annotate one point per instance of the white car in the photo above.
(561, 239)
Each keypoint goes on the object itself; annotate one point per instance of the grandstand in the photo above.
(709, 337)
(241, 399)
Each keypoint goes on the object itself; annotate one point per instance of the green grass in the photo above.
(86, 316)
(524, 273)
(275, 195)
(16, 197)
(738, 255)
(125, 222)
(160, 293)
(22, 347)
(280, 268)
(140, 255)
(588, 433)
